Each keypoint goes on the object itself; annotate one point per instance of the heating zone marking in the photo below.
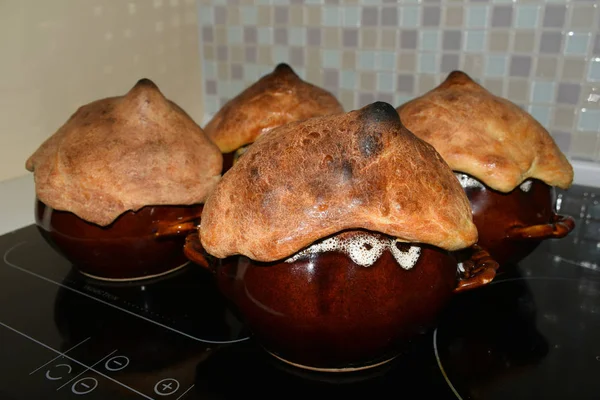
(113, 305)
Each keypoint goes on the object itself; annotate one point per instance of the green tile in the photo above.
(366, 59)
(249, 15)
(348, 79)
(331, 16)
(410, 16)
(495, 65)
(351, 16)
(235, 35)
(332, 58)
(475, 41)
(385, 82)
(428, 64)
(429, 40)
(387, 60)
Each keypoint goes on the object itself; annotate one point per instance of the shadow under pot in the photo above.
(511, 225)
(346, 303)
(138, 245)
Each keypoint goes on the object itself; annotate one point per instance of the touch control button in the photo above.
(116, 363)
(166, 387)
(53, 377)
(84, 385)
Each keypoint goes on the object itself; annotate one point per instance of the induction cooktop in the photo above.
(533, 333)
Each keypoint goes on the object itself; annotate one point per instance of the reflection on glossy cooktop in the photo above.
(532, 333)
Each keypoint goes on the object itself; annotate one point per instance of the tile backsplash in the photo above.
(542, 55)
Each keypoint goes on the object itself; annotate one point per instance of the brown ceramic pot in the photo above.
(324, 312)
(511, 225)
(137, 245)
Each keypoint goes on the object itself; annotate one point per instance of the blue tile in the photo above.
(332, 58)
(351, 16)
(577, 43)
(541, 114)
(249, 15)
(387, 60)
(527, 16)
(496, 65)
(594, 71)
(210, 69)
(475, 41)
(331, 16)
(348, 79)
(477, 16)
(281, 54)
(265, 35)
(428, 64)
(589, 120)
(385, 82)
(543, 92)
(297, 36)
(429, 41)
(235, 35)
(366, 59)
(410, 16)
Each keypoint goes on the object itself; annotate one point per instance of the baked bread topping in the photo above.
(307, 180)
(123, 153)
(274, 100)
(485, 136)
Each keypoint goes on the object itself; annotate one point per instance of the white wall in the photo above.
(57, 55)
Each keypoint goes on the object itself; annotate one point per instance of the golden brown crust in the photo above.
(308, 180)
(124, 153)
(485, 136)
(274, 100)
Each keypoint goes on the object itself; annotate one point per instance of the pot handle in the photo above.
(182, 227)
(478, 270)
(194, 251)
(559, 227)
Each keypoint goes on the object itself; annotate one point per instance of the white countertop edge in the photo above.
(17, 195)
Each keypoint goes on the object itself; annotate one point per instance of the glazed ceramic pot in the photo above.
(329, 311)
(137, 245)
(511, 225)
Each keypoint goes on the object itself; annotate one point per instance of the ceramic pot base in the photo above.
(333, 370)
(133, 279)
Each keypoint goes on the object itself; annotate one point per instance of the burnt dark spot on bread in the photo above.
(379, 112)
(370, 145)
(346, 170)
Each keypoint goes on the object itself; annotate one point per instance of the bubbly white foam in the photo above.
(467, 182)
(526, 186)
(363, 249)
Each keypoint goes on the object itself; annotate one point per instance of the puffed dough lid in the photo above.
(307, 180)
(485, 136)
(274, 100)
(124, 153)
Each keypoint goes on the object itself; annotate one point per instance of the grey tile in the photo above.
(237, 71)
(568, 93)
(596, 50)
(331, 78)
(211, 86)
(281, 15)
(250, 54)
(554, 16)
(208, 34)
(250, 34)
(452, 40)
(502, 16)
(520, 66)
(389, 16)
(365, 99)
(332, 2)
(223, 101)
(297, 56)
(550, 42)
(562, 139)
(408, 39)
(449, 63)
(369, 16)
(406, 83)
(220, 15)
(222, 54)
(281, 36)
(431, 16)
(313, 36)
(386, 98)
(350, 37)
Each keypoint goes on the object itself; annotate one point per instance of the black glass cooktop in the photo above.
(533, 333)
